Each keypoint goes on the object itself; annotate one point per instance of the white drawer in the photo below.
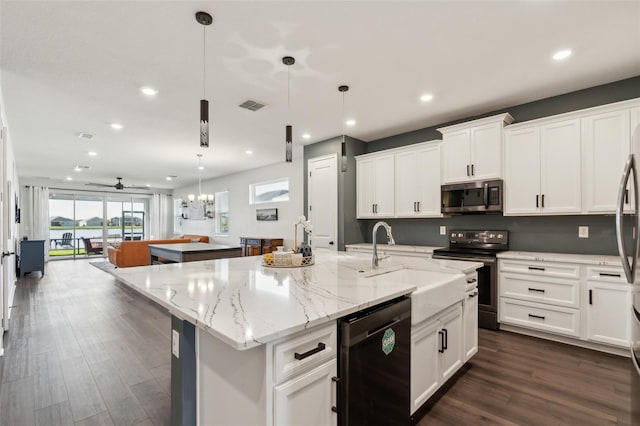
(543, 289)
(548, 318)
(548, 269)
(320, 342)
(606, 274)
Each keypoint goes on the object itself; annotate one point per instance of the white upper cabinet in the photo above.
(473, 150)
(417, 182)
(606, 139)
(542, 172)
(375, 192)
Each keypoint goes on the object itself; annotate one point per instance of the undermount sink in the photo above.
(435, 291)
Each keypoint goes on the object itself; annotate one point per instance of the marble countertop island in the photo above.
(245, 304)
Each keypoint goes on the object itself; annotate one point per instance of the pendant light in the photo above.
(343, 145)
(288, 61)
(202, 198)
(205, 20)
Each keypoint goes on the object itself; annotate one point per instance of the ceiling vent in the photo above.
(87, 136)
(251, 105)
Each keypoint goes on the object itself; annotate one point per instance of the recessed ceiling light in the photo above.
(426, 98)
(171, 177)
(116, 126)
(200, 167)
(306, 136)
(148, 185)
(562, 54)
(248, 152)
(149, 91)
(77, 169)
(68, 178)
(351, 122)
(92, 153)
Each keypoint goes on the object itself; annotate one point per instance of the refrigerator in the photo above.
(630, 177)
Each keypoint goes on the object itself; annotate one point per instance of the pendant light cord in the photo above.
(289, 91)
(343, 116)
(204, 62)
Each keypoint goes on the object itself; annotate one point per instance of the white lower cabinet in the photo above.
(436, 353)
(590, 303)
(609, 304)
(470, 318)
(307, 399)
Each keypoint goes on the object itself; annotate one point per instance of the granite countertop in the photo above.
(396, 247)
(246, 304)
(588, 259)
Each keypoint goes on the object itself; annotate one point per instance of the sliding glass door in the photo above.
(85, 224)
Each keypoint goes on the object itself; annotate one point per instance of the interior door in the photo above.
(322, 190)
(4, 305)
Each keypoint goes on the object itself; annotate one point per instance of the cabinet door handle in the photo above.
(591, 297)
(418, 203)
(539, 290)
(535, 268)
(321, 347)
(542, 200)
(536, 316)
(334, 409)
(471, 280)
(605, 274)
(468, 170)
(441, 348)
(472, 172)
(373, 208)
(472, 295)
(446, 339)
(537, 203)
(626, 196)
(415, 208)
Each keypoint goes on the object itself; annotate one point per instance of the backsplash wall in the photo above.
(545, 234)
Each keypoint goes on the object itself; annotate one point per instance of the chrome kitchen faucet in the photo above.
(374, 260)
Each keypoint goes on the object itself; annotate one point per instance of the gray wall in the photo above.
(350, 230)
(546, 234)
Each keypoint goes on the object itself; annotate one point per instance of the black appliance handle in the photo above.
(321, 347)
(486, 194)
(441, 348)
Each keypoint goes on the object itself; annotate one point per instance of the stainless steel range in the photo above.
(480, 246)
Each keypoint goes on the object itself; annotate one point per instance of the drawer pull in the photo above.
(471, 281)
(535, 268)
(321, 347)
(536, 316)
(539, 290)
(605, 274)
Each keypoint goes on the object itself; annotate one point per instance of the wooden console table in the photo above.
(190, 252)
(252, 246)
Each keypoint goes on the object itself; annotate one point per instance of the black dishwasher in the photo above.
(374, 365)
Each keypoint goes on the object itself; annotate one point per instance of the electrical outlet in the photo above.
(175, 343)
(443, 230)
(583, 232)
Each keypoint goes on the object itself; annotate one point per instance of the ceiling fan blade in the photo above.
(99, 184)
(136, 187)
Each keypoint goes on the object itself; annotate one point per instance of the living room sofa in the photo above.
(136, 253)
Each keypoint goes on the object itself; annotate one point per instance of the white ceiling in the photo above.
(77, 66)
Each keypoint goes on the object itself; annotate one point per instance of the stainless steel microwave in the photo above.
(472, 197)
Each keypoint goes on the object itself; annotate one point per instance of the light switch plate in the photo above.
(443, 230)
(583, 232)
(175, 343)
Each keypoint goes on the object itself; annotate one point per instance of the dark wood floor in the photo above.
(84, 350)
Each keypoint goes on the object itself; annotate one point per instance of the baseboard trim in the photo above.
(567, 340)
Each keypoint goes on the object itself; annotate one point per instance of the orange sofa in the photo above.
(136, 253)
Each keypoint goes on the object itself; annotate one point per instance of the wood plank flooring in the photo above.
(85, 350)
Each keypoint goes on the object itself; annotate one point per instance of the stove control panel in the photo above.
(479, 238)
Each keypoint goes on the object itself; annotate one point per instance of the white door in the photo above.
(406, 182)
(456, 164)
(425, 373)
(608, 319)
(522, 171)
(451, 325)
(606, 142)
(429, 160)
(470, 325)
(365, 187)
(560, 167)
(4, 296)
(322, 190)
(307, 399)
(486, 152)
(384, 186)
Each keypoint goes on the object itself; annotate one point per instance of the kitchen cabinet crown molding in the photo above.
(398, 149)
(580, 113)
(504, 117)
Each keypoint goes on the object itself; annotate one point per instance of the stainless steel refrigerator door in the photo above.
(629, 268)
(635, 357)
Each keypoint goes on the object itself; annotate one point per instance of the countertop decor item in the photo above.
(308, 228)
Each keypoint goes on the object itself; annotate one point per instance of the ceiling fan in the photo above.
(119, 185)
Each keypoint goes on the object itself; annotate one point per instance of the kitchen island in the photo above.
(237, 326)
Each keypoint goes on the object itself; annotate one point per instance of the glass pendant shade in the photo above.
(289, 147)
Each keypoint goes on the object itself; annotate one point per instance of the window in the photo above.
(269, 192)
(222, 213)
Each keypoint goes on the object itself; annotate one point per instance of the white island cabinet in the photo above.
(259, 345)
